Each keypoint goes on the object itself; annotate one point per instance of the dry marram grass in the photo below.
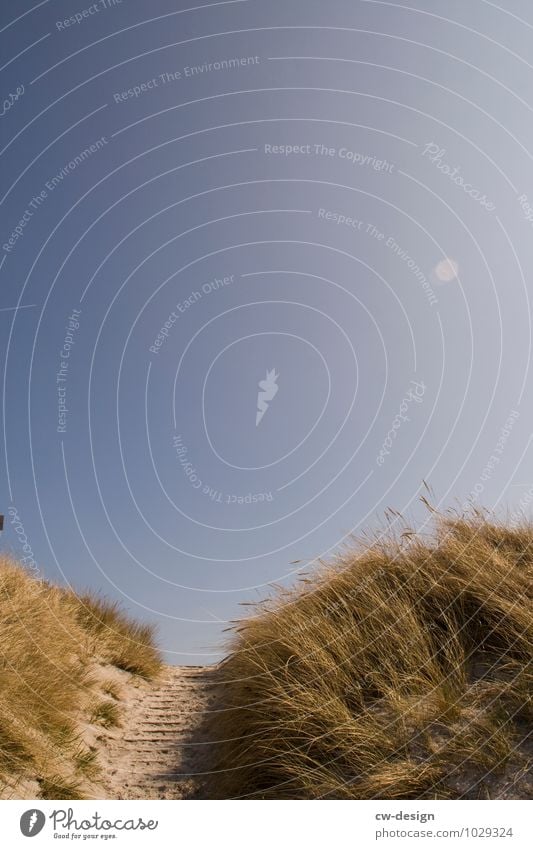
(403, 670)
(52, 645)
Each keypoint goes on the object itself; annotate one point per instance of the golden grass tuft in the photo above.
(401, 671)
(128, 645)
(51, 644)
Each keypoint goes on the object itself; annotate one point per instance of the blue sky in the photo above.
(339, 194)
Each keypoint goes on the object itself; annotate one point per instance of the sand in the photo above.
(159, 751)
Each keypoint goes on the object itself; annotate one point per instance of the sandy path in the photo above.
(158, 748)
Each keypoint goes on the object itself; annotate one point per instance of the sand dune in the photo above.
(401, 670)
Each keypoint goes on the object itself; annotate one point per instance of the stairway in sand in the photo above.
(159, 747)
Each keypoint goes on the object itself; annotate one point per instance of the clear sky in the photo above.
(333, 200)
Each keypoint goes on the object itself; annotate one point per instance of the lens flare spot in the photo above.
(447, 270)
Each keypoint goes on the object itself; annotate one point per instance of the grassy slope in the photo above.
(402, 671)
(59, 656)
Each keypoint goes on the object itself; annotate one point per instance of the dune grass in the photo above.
(400, 671)
(52, 642)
